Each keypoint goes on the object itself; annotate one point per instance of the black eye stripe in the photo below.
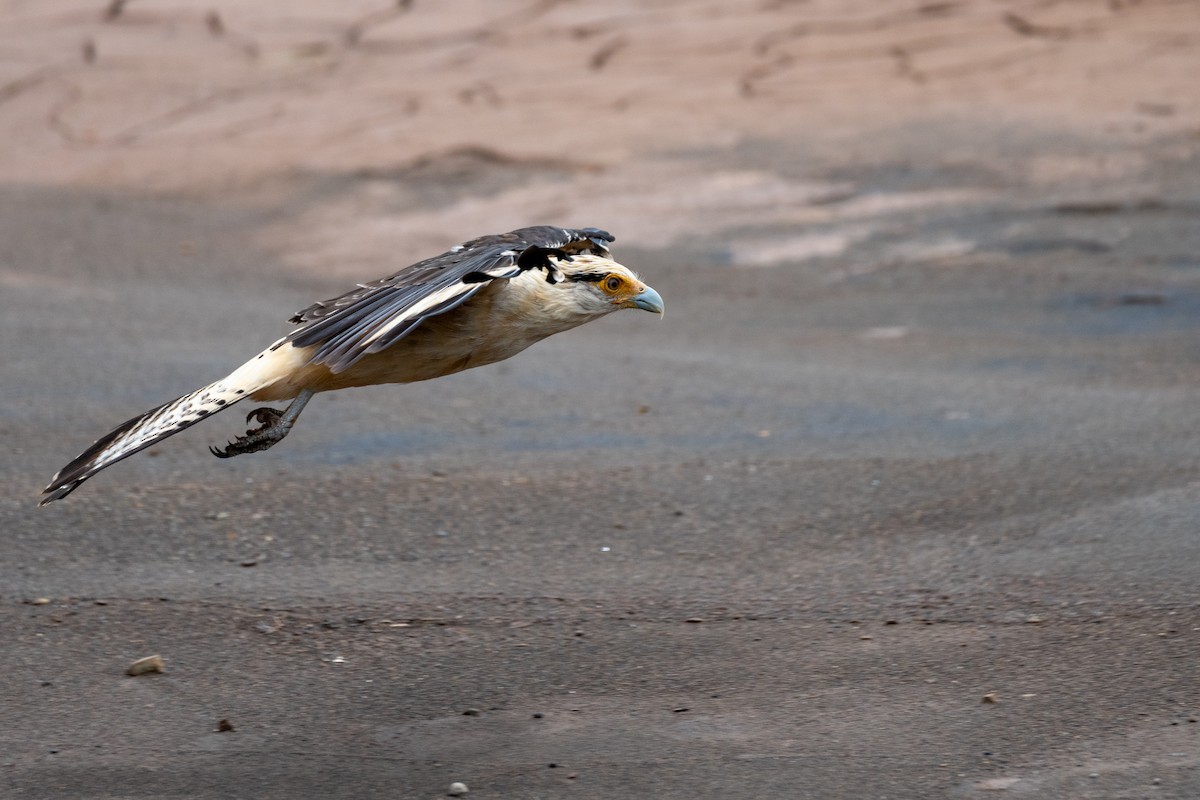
(588, 277)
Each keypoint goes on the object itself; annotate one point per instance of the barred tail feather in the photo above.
(141, 432)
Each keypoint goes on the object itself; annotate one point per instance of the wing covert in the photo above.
(376, 315)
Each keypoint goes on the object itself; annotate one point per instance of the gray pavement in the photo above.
(785, 543)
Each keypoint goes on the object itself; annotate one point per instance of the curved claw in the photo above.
(266, 415)
(274, 426)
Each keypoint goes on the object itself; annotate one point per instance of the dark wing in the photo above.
(376, 315)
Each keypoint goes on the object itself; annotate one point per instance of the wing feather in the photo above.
(376, 315)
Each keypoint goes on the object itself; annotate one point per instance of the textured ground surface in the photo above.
(919, 429)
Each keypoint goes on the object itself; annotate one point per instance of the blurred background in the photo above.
(408, 125)
(899, 499)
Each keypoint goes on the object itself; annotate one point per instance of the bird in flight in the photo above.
(478, 303)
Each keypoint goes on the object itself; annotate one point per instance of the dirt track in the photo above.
(919, 428)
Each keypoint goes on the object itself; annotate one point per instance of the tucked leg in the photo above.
(275, 425)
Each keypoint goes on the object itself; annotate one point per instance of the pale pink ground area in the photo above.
(610, 112)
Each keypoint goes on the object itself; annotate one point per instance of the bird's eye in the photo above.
(612, 284)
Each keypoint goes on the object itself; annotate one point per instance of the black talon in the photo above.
(275, 425)
(265, 415)
(264, 436)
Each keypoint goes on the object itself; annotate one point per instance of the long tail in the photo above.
(140, 432)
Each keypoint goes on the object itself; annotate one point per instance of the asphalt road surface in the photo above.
(915, 518)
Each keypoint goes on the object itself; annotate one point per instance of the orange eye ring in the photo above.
(612, 284)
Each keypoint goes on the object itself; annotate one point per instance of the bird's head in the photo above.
(597, 285)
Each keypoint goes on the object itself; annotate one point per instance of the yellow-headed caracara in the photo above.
(476, 304)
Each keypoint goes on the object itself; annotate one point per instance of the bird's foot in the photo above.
(260, 438)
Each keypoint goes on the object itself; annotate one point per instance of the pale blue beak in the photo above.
(649, 300)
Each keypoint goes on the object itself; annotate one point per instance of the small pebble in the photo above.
(224, 726)
(458, 789)
(471, 712)
(144, 666)
(42, 601)
(538, 715)
(997, 784)
(991, 697)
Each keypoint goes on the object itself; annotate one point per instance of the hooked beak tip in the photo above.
(649, 300)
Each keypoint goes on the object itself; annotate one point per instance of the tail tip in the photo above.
(56, 491)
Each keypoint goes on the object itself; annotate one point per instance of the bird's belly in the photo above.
(414, 358)
(474, 335)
